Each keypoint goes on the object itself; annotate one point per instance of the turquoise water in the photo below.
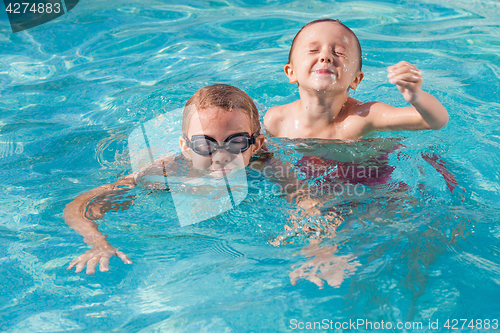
(74, 89)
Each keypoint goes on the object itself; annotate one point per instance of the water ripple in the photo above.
(74, 88)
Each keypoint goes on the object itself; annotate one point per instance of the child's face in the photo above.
(219, 124)
(325, 57)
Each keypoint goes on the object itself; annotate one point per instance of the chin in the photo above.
(322, 88)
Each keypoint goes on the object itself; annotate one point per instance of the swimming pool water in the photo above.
(74, 89)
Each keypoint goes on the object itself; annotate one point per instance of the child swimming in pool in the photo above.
(220, 139)
(325, 61)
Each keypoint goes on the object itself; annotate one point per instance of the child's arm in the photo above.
(427, 112)
(75, 215)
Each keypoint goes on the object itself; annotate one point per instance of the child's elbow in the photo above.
(438, 121)
(441, 123)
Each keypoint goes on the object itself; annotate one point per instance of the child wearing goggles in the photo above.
(207, 146)
(221, 132)
(217, 140)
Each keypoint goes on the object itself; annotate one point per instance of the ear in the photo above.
(357, 80)
(259, 141)
(184, 148)
(290, 73)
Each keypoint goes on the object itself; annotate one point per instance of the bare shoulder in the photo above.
(355, 121)
(362, 109)
(275, 118)
(161, 166)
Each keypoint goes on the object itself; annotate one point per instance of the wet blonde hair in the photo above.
(223, 96)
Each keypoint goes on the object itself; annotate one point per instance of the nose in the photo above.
(325, 56)
(221, 157)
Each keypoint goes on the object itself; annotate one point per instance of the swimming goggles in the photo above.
(234, 144)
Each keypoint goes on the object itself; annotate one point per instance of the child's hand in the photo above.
(408, 79)
(325, 265)
(98, 254)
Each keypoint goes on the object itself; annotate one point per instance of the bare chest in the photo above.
(350, 128)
